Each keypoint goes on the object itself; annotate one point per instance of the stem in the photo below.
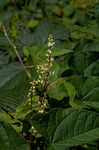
(30, 67)
(31, 146)
(31, 100)
(14, 2)
(28, 141)
(15, 50)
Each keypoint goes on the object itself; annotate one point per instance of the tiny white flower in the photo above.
(39, 81)
(33, 91)
(40, 77)
(47, 55)
(32, 127)
(44, 104)
(33, 87)
(52, 59)
(49, 51)
(41, 111)
(38, 67)
(42, 72)
(51, 44)
(31, 82)
(36, 82)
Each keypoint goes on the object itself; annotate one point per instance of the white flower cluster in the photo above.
(50, 59)
(32, 90)
(51, 42)
(43, 71)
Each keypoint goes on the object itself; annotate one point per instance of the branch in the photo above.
(30, 67)
(15, 50)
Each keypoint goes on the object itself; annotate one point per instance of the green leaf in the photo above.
(92, 104)
(42, 32)
(79, 63)
(78, 127)
(2, 3)
(40, 122)
(58, 92)
(10, 140)
(26, 51)
(91, 93)
(32, 24)
(50, 147)
(68, 10)
(12, 78)
(59, 51)
(72, 93)
(24, 109)
(96, 10)
(5, 15)
(10, 72)
(92, 69)
(38, 53)
(55, 118)
(92, 47)
(90, 84)
(45, 28)
(4, 143)
(11, 98)
(55, 72)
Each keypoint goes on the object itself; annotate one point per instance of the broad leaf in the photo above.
(91, 83)
(12, 78)
(78, 127)
(10, 72)
(10, 140)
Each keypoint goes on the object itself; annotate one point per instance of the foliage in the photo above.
(69, 119)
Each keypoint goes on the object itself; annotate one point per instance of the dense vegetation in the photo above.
(49, 74)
